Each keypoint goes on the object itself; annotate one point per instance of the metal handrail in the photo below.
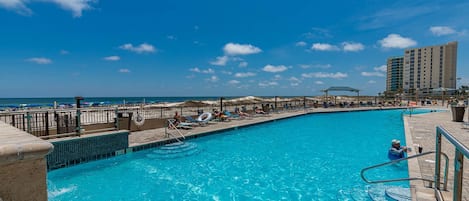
(171, 125)
(461, 151)
(362, 173)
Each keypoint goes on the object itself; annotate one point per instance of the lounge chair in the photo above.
(190, 119)
(232, 116)
(179, 125)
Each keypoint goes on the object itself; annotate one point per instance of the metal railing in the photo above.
(445, 177)
(461, 151)
(171, 125)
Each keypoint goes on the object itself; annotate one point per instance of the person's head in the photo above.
(396, 143)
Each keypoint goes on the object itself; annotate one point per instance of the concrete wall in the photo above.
(22, 165)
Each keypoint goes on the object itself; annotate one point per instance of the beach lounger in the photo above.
(190, 119)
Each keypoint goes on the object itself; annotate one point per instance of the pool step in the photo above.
(378, 192)
(175, 150)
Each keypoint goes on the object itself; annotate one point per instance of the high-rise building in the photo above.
(395, 67)
(429, 68)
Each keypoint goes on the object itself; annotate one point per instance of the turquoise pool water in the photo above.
(312, 157)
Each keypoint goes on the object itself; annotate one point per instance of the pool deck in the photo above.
(419, 129)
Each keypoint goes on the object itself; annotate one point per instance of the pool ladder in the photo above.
(171, 125)
(431, 181)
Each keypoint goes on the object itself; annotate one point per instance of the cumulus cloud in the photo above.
(300, 44)
(306, 66)
(373, 74)
(337, 75)
(234, 82)
(371, 82)
(352, 47)
(75, 6)
(207, 71)
(324, 47)
(243, 64)
(112, 58)
(248, 74)
(267, 83)
(62, 52)
(40, 60)
(274, 69)
(294, 79)
(213, 78)
(240, 49)
(124, 70)
(397, 41)
(319, 82)
(142, 48)
(442, 30)
(382, 68)
(220, 61)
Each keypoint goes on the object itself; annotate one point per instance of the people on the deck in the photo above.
(177, 120)
(397, 151)
(259, 111)
(220, 115)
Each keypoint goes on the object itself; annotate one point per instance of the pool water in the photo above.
(311, 157)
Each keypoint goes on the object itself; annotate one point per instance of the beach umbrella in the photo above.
(192, 103)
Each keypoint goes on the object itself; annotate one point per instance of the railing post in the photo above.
(458, 175)
(116, 119)
(437, 160)
(28, 122)
(47, 123)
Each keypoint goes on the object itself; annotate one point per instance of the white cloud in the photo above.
(112, 58)
(337, 75)
(248, 74)
(324, 66)
(371, 82)
(352, 47)
(397, 41)
(442, 30)
(319, 82)
(171, 37)
(274, 69)
(220, 61)
(213, 78)
(382, 68)
(142, 48)
(62, 52)
(234, 82)
(300, 44)
(197, 70)
(240, 49)
(294, 79)
(243, 64)
(76, 6)
(124, 70)
(40, 60)
(324, 47)
(266, 84)
(294, 84)
(373, 74)
(226, 72)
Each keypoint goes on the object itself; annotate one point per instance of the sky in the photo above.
(91, 48)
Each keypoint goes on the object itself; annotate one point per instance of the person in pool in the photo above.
(397, 151)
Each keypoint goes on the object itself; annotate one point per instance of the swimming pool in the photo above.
(311, 157)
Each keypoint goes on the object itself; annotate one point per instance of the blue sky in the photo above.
(64, 48)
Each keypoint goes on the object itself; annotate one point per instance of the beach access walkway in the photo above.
(420, 129)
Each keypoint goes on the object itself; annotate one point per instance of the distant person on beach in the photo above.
(397, 151)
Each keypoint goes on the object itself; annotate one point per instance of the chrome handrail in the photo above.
(170, 124)
(362, 173)
(461, 151)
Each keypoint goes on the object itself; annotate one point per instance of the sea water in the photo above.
(311, 157)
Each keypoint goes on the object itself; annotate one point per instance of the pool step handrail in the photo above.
(445, 176)
(171, 125)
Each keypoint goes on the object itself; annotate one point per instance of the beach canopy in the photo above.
(340, 89)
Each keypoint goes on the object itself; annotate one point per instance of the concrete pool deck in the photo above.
(419, 129)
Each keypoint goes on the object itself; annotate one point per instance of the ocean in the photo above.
(97, 101)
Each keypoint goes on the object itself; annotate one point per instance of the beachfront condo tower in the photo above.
(395, 67)
(429, 69)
